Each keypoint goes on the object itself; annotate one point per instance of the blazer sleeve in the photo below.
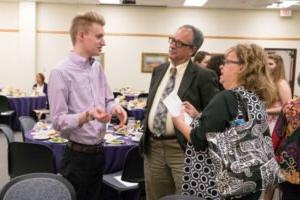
(215, 118)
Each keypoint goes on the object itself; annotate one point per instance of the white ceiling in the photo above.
(226, 4)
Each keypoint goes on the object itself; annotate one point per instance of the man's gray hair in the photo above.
(198, 37)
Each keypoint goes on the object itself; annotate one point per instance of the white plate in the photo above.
(58, 140)
(137, 133)
(136, 139)
(41, 136)
(115, 141)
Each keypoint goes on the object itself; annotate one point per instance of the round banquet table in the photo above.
(114, 159)
(129, 97)
(114, 154)
(23, 106)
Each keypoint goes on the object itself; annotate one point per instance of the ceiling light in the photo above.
(283, 4)
(194, 2)
(110, 1)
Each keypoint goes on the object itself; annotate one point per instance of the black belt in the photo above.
(84, 148)
(163, 137)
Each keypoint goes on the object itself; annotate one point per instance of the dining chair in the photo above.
(143, 95)
(24, 158)
(6, 113)
(133, 172)
(181, 197)
(27, 123)
(37, 186)
(117, 94)
(41, 113)
(8, 133)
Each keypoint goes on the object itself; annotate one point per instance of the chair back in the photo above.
(143, 95)
(117, 94)
(27, 123)
(180, 197)
(24, 158)
(133, 169)
(4, 104)
(8, 133)
(37, 186)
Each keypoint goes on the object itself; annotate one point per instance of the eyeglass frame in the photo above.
(178, 43)
(227, 61)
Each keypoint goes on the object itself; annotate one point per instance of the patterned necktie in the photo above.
(160, 118)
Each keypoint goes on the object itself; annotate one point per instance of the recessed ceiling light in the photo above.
(110, 1)
(283, 4)
(194, 2)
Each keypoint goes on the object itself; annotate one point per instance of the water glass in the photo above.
(131, 125)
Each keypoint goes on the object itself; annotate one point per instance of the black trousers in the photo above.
(85, 172)
(290, 191)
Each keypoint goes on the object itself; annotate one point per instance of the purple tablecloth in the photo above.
(130, 97)
(114, 159)
(23, 106)
(138, 114)
(114, 154)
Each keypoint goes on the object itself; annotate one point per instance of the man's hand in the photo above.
(100, 115)
(121, 114)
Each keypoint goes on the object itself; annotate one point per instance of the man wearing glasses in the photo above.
(162, 144)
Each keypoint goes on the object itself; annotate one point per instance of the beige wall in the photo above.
(123, 52)
(9, 43)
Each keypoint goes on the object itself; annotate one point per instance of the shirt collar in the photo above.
(180, 67)
(81, 61)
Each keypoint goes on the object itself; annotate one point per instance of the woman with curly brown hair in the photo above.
(246, 81)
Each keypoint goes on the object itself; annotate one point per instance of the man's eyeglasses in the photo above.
(178, 43)
(226, 61)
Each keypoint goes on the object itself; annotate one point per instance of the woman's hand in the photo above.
(190, 109)
(184, 129)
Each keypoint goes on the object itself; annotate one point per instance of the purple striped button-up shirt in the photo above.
(75, 86)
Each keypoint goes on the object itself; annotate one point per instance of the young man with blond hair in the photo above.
(81, 102)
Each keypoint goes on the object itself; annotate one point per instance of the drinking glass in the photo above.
(131, 125)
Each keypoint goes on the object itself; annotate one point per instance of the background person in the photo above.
(40, 86)
(202, 58)
(283, 90)
(286, 142)
(214, 64)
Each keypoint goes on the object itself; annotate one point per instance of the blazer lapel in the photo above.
(187, 79)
